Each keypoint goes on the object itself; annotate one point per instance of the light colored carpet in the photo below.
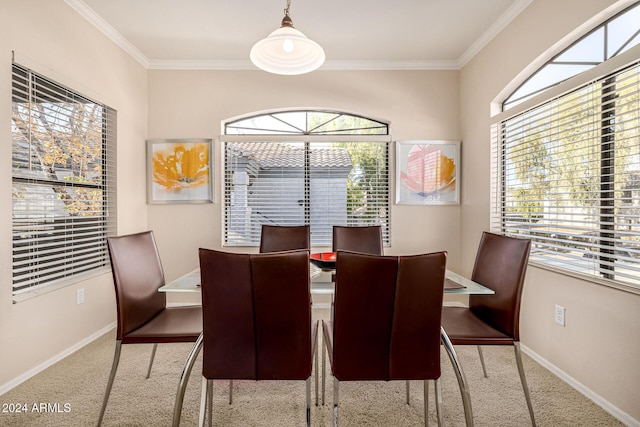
(79, 382)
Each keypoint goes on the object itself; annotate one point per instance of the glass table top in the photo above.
(190, 282)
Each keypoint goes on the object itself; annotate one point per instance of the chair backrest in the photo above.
(501, 264)
(137, 275)
(366, 239)
(387, 316)
(256, 315)
(276, 238)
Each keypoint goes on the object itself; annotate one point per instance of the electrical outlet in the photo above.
(559, 315)
(80, 296)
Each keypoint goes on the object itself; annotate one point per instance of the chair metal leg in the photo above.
(425, 391)
(408, 387)
(230, 392)
(210, 402)
(332, 308)
(462, 381)
(308, 386)
(184, 379)
(153, 355)
(336, 392)
(204, 394)
(112, 376)
(315, 351)
(324, 373)
(438, 392)
(523, 380)
(484, 369)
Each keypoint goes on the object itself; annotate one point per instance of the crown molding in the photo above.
(505, 19)
(391, 65)
(327, 66)
(94, 19)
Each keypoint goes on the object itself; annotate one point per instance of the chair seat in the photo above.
(465, 328)
(173, 324)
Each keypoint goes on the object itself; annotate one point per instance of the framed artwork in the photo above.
(179, 171)
(428, 172)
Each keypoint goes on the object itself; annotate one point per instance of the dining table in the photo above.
(454, 284)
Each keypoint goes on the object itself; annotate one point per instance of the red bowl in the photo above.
(324, 260)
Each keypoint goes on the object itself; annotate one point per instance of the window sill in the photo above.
(587, 278)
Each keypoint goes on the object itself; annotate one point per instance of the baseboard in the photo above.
(58, 357)
(620, 415)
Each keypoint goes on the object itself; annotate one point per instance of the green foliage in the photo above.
(368, 180)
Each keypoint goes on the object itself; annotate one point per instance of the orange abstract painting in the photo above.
(179, 170)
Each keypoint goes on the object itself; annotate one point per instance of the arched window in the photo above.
(566, 163)
(294, 167)
(613, 37)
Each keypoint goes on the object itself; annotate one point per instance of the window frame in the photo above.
(62, 245)
(557, 59)
(308, 139)
(598, 73)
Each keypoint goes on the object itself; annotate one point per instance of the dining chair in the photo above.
(386, 324)
(276, 238)
(142, 314)
(501, 264)
(364, 239)
(257, 320)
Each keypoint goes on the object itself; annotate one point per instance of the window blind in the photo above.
(63, 182)
(285, 182)
(566, 174)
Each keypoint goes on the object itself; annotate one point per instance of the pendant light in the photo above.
(287, 51)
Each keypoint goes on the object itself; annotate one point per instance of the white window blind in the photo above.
(567, 176)
(293, 183)
(319, 178)
(63, 176)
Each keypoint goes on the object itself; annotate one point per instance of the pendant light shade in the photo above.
(287, 51)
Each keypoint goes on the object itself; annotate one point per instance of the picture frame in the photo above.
(179, 171)
(428, 172)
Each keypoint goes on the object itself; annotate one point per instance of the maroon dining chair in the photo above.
(501, 264)
(364, 239)
(386, 323)
(257, 320)
(142, 314)
(276, 238)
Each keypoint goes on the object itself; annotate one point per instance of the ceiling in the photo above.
(366, 34)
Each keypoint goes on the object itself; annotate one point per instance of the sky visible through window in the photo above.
(612, 38)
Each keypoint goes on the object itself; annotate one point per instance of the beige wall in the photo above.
(188, 104)
(599, 347)
(52, 39)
